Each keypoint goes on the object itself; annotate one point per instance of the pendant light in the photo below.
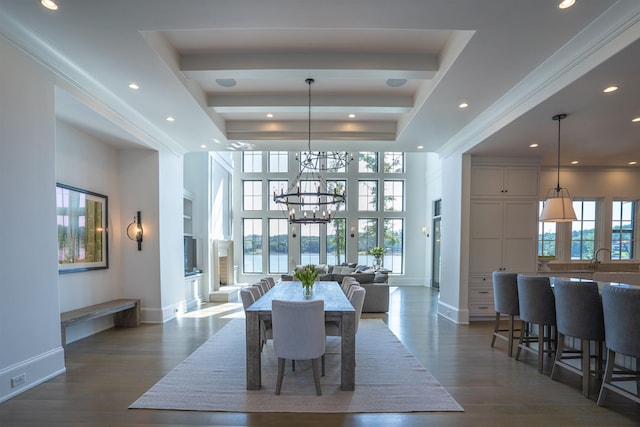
(558, 206)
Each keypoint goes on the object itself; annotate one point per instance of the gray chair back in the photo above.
(259, 287)
(579, 309)
(505, 292)
(622, 319)
(247, 297)
(536, 300)
(270, 280)
(255, 291)
(298, 329)
(357, 301)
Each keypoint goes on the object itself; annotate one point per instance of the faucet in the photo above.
(595, 261)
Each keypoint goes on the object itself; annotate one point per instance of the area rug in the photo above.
(388, 379)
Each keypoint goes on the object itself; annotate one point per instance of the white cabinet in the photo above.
(187, 209)
(504, 181)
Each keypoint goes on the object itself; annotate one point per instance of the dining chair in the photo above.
(505, 298)
(298, 334)
(259, 287)
(578, 315)
(356, 299)
(622, 336)
(270, 280)
(255, 291)
(246, 296)
(352, 285)
(263, 285)
(537, 308)
(346, 283)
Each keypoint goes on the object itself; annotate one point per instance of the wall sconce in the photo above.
(293, 231)
(353, 231)
(425, 231)
(134, 230)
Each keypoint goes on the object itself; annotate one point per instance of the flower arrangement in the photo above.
(307, 276)
(377, 252)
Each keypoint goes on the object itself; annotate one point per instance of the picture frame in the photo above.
(83, 234)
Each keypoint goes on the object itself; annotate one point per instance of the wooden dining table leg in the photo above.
(348, 362)
(253, 346)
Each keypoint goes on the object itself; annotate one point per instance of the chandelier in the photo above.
(309, 199)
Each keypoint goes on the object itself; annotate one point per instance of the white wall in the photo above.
(76, 154)
(433, 185)
(29, 302)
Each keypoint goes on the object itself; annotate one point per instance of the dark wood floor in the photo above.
(108, 371)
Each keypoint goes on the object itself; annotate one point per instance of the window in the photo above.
(251, 245)
(622, 229)
(309, 244)
(310, 187)
(278, 187)
(394, 196)
(278, 246)
(336, 166)
(546, 236)
(278, 161)
(367, 239)
(337, 241)
(368, 195)
(337, 186)
(252, 161)
(252, 195)
(393, 162)
(583, 230)
(368, 162)
(393, 242)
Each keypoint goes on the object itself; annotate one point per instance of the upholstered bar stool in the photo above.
(622, 330)
(537, 307)
(505, 297)
(578, 315)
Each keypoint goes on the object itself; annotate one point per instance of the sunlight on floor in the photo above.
(227, 310)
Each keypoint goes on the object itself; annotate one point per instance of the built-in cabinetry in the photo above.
(187, 209)
(502, 229)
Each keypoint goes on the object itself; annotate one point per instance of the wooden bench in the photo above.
(127, 314)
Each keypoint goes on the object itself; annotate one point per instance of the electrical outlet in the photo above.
(19, 380)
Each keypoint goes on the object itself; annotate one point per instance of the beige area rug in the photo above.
(388, 379)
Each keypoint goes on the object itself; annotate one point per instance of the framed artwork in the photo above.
(82, 229)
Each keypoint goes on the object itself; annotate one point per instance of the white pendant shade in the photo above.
(558, 208)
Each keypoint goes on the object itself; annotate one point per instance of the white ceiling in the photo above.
(517, 63)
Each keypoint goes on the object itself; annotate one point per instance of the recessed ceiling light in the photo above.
(636, 120)
(134, 86)
(352, 116)
(203, 146)
(610, 89)
(49, 4)
(463, 105)
(534, 145)
(269, 115)
(420, 147)
(170, 119)
(633, 162)
(226, 82)
(564, 4)
(396, 82)
(575, 162)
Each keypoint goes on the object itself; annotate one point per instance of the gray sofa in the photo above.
(376, 284)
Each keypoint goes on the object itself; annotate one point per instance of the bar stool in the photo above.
(622, 330)
(505, 297)
(537, 307)
(578, 315)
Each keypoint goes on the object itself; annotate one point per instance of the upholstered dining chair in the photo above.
(298, 334)
(356, 299)
(260, 288)
(263, 285)
(622, 331)
(255, 291)
(505, 298)
(537, 308)
(270, 280)
(578, 315)
(266, 284)
(247, 298)
(247, 295)
(346, 283)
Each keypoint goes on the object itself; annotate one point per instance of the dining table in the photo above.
(336, 308)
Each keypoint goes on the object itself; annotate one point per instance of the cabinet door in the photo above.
(521, 181)
(519, 255)
(485, 254)
(487, 181)
(486, 218)
(520, 219)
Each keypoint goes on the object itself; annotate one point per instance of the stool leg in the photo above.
(511, 326)
(586, 367)
(496, 327)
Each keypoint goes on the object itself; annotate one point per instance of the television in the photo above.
(190, 256)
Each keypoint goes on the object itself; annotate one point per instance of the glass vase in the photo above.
(307, 290)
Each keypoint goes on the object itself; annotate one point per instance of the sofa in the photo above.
(376, 284)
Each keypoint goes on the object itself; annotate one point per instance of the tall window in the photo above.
(393, 196)
(337, 241)
(622, 229)
(393, 241)
(583, 230)
(309, 244)
(277, 186)
(368, 162)
(278, 161)
(339, 187)
(546, 236)
(368, 195)
(367, 239)
(393, 162)
(252, 195)
(252, 245)
(278, 246)
(310, 187)
(252, 161)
